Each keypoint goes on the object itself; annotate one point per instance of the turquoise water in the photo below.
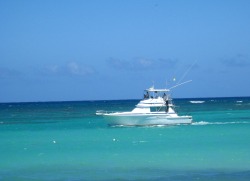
(67, 141)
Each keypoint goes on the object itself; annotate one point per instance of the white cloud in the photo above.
(142, 63)
(76, 69)
(53, 68)
(118, 63)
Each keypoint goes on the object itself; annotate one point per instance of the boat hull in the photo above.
(144, 120)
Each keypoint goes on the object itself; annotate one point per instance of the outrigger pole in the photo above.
(180, 84)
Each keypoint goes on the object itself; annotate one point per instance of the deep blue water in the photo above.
(67, 141)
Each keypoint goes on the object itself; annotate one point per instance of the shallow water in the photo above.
(67, 141)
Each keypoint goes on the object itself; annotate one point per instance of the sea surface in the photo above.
(67, 141)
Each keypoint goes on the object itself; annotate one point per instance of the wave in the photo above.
(219, 123)
(196, 102)
(27, 122)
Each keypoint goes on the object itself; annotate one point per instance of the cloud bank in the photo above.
(8, 73)
(141, 64)
(71, 68)
(237, 61)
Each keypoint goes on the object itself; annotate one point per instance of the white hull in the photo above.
(144, 120)
(155, 109)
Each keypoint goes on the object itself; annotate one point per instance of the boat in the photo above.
(156, 108)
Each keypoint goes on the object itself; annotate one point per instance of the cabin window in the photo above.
(157, 109)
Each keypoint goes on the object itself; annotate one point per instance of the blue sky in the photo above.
(96, 50)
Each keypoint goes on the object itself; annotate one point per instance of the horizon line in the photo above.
(98, 100)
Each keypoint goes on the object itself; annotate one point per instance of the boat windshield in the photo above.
(155, 93)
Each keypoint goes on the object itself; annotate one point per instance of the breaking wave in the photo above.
(196, 102)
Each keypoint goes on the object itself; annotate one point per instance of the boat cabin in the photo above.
(155, 100)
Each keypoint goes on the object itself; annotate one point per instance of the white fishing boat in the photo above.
(155, 109)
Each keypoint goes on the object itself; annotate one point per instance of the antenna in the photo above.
(153, 86)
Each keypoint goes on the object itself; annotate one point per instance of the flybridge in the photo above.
(154, 93)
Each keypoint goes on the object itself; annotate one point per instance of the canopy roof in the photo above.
(152, 89)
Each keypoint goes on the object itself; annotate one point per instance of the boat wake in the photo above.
(201, 123)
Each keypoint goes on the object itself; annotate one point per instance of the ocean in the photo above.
(67, 141)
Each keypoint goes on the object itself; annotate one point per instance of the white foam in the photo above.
(196, 102)
(137, 142)
(200, 123)
(160, 125)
